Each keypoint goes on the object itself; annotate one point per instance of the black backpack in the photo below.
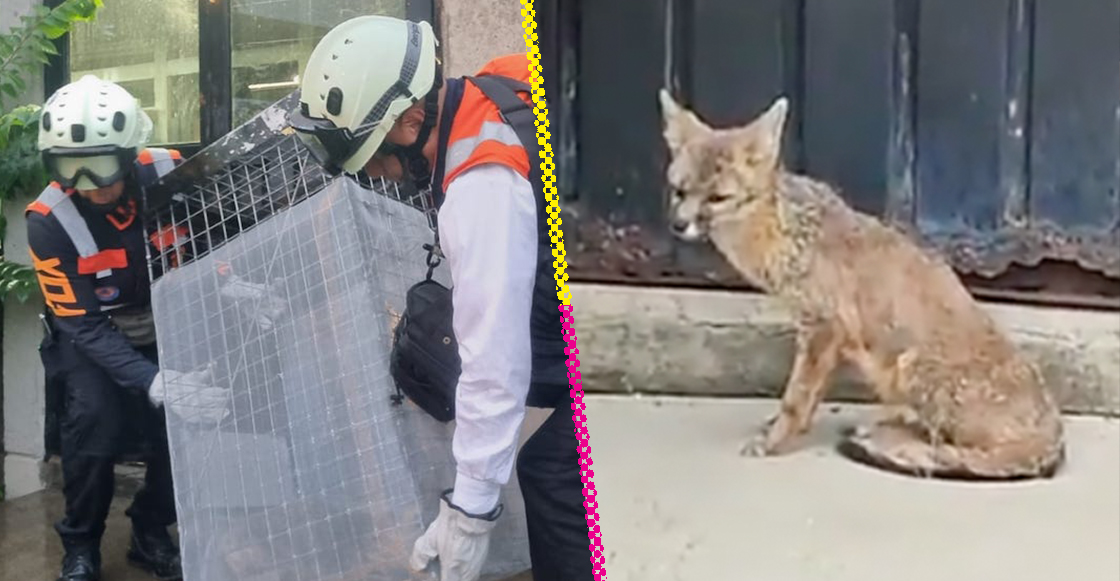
(424, 361)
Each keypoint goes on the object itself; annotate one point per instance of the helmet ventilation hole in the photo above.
(78, 132)
(46, 122)
(103, 133)
(334, 101)
(118, 121)
(334, 57)
(349, 41)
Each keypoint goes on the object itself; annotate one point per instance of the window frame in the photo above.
(215, 74)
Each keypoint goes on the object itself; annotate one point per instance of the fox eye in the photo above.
(717, 198)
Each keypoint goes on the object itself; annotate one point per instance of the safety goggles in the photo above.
(327, 143)
(103, 166)
(331, 145)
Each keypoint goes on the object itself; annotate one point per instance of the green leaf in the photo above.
(24, 49)
(45, 46)
(87, 9)
(53, 30)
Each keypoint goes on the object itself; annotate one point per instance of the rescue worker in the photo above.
(87, 246)
(373, 96)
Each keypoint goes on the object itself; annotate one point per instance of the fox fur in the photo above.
(960, 400)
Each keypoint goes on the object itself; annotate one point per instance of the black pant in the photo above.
(549, 474)
(101, 422)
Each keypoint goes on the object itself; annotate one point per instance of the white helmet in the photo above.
(90, 132)
(361, 76)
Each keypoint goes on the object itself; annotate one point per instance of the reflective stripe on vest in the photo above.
(478, 133)
(64, 210)
(162, 159)
(459, 152)
(57, 202)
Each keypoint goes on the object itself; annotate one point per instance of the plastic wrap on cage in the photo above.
(315, 473)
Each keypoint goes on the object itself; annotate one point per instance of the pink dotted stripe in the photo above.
(594, 535)
(587, 474)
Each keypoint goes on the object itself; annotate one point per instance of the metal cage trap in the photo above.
(249, 175)
(286, 284)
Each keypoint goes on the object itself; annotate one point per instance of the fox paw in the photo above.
(755, 447)
(860, 432)
(768, 442)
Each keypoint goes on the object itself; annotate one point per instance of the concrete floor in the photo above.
(30, 550)
(677, 502)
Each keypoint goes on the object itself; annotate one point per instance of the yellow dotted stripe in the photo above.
(548, 167)
(579, 416)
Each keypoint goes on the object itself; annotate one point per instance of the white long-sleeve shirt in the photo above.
(488, 232)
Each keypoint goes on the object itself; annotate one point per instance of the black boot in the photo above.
(80, 563)
(153, 551)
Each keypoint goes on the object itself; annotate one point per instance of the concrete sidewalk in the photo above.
(676, 501)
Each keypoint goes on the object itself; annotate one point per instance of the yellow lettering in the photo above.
(56, 288)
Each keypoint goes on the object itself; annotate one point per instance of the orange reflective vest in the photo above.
(101, 257)
(474, 131)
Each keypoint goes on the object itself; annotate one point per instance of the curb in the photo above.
(652, 340)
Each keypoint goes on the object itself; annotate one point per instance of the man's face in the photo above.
(406, 130)
(385, 166)
(104, 196)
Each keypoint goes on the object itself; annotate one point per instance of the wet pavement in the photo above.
(30, 550)
(677, 502)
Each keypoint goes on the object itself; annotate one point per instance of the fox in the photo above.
(957, 399)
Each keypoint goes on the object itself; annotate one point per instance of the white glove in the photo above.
(460, 542)
(192, 396)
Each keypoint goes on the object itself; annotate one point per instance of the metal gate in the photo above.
(992, 129)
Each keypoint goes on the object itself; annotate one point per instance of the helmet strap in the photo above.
(412, 157)
(418, 166)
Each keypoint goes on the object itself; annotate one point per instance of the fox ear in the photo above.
(679, 124)
(763, 136)
(772, 124)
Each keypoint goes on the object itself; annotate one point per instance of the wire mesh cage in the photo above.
(286, 285)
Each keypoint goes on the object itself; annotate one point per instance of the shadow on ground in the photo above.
(685, 505)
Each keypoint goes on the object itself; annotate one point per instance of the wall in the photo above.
(475, 32)
(651, 340)
(23, 375)
(993, 138)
